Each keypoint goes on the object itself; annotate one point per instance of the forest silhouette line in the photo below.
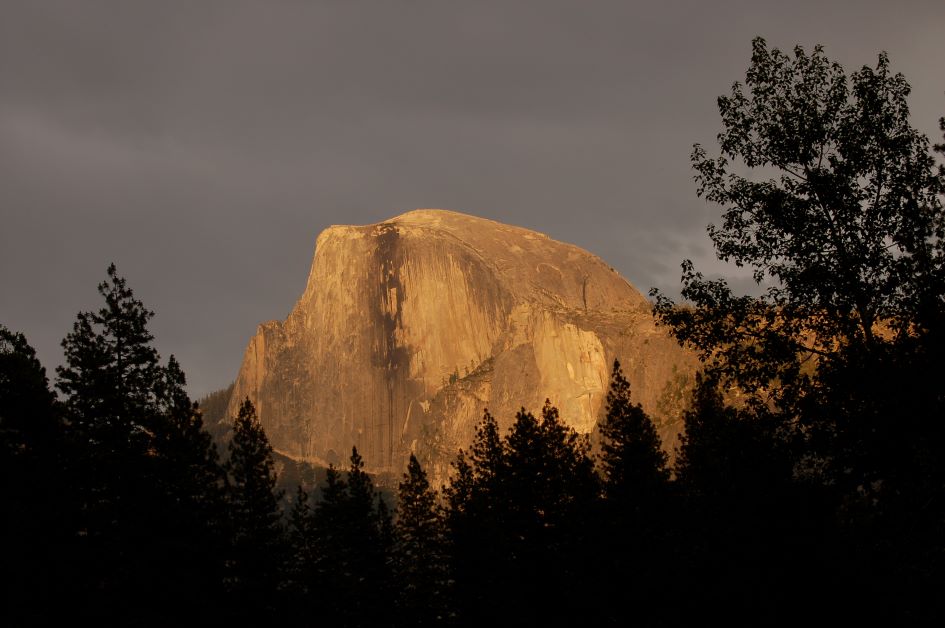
(809, 483)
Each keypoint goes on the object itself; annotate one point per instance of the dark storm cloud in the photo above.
(203, 145)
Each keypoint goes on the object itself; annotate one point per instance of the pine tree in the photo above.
(301, 558)
(459, 491)
(487, 454)
(331, 552)
(353, 532)
(550, 473)
(420, 552)
(34, 530)
(109, 380)
(551, 489)
(368, 529)
(193, 472)
(518, 518)
(632, 460)
(299, 579)
(635, 531)
(478, 544)
(360, 490)
(743, 518)
(191, 482)
(110, 373)
(146, 479)
(28, 421)
(255, 516)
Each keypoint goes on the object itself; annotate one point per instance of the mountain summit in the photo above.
(410, 327)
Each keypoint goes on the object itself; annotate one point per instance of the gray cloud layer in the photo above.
(203, 145)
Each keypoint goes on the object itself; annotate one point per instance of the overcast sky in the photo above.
(202, 146)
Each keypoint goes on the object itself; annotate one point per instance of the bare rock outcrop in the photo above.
(409, 328)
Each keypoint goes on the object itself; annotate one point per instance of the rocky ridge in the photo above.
(409, 328)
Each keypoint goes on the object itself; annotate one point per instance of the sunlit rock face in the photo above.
(409, 328)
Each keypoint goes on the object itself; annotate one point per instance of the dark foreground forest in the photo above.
(808, 486)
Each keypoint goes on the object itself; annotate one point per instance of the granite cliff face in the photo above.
(409, 328)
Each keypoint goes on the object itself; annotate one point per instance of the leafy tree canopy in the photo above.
(830, 196)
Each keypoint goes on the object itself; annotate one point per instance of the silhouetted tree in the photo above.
(301, 557)
(518, 520)
(475, 519)
(192, 539)
(742, 525)
(255, 517)
(847, 232)
(369, 527)
(353, 533)
(632, 461)
(28, 422)
(110, 372)
(487, 454)
(34, 528)
(299, 576)
(331, 551)
(551, 489)
(111, 379)
(634, 540)
(420, 552)
(142, 471)
(830, 368)
(849, 235)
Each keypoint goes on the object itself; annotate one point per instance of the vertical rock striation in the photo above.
(409, 328)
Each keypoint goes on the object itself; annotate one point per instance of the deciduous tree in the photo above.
(830, 196)
(834, 202)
